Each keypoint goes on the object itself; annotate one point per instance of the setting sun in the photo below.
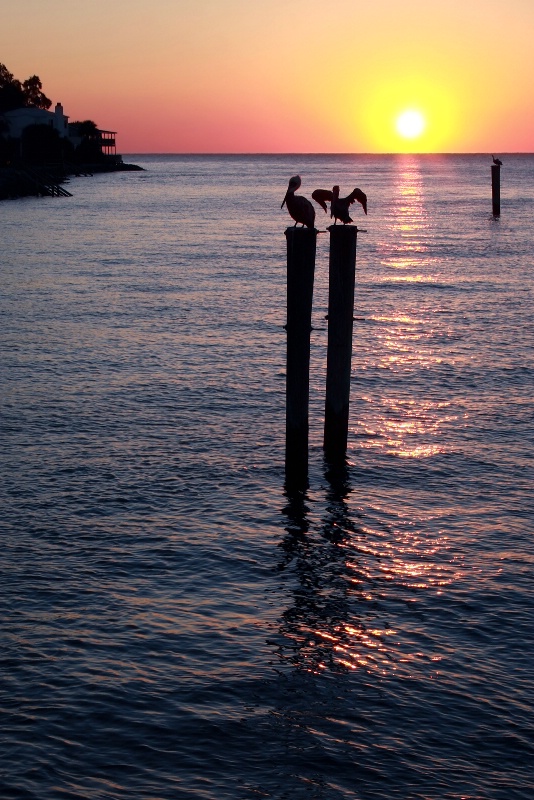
(211, 76)
(409, 112)
(410, 124)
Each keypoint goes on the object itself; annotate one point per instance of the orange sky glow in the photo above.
(307, 76)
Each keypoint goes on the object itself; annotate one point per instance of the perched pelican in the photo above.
(299, 207)
(339, 206)
(497, 161)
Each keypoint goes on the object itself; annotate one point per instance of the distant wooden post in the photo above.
(301, 246)
(496, 189)
(342, 272)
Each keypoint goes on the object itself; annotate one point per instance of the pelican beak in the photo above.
(284, 201)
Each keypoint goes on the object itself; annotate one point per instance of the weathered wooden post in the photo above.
(301, 247)
(342, 272)
(496, 189)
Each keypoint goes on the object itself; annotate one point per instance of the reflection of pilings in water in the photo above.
(338, 522)
(295, 511)
(297, 525)
(313, 625)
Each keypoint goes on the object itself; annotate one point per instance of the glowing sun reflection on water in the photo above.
(408, 224)
(354, 577)
(344, 576)
(401, 424)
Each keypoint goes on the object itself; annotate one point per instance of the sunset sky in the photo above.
(284, 75)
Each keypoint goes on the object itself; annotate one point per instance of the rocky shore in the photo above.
(25, 180)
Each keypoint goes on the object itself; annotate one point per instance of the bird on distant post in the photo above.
(497, 161)
(299, 207)
(339, 206)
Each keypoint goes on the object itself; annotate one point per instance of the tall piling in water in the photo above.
(496, 189)
(341, 279)
(301, 247)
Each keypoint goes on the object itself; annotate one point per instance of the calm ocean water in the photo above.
(174, 625)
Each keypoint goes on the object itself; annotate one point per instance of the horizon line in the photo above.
(304, 153)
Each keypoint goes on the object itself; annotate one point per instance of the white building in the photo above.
(21, 118)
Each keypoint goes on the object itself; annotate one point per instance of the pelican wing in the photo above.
(360, 196)
(321, 196)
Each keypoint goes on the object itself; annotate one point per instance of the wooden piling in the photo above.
(342, 273)
(496, 189)
(301, 247)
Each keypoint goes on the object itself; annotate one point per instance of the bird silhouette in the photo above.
(299, 207)
(321, 196)
(497, 161)
(339, 206)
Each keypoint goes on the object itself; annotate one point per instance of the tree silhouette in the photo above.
(89, 150)
(14, 94)
(42, 144)
(11, 94)
(33, 94)
(86, 129)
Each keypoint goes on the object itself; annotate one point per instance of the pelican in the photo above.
(339, 206)
(321, 196)
(497, 161)
(299, 207)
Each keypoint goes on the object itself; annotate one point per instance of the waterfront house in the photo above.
(103, 142)
(21, 118)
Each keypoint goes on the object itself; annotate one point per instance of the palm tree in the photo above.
(86, 129)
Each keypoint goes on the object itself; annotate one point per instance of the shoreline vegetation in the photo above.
(40, 149)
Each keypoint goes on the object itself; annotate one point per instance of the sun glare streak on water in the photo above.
(175, 624)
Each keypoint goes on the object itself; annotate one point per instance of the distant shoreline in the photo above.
(29, 180)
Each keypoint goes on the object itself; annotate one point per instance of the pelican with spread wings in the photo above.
(339, 206)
